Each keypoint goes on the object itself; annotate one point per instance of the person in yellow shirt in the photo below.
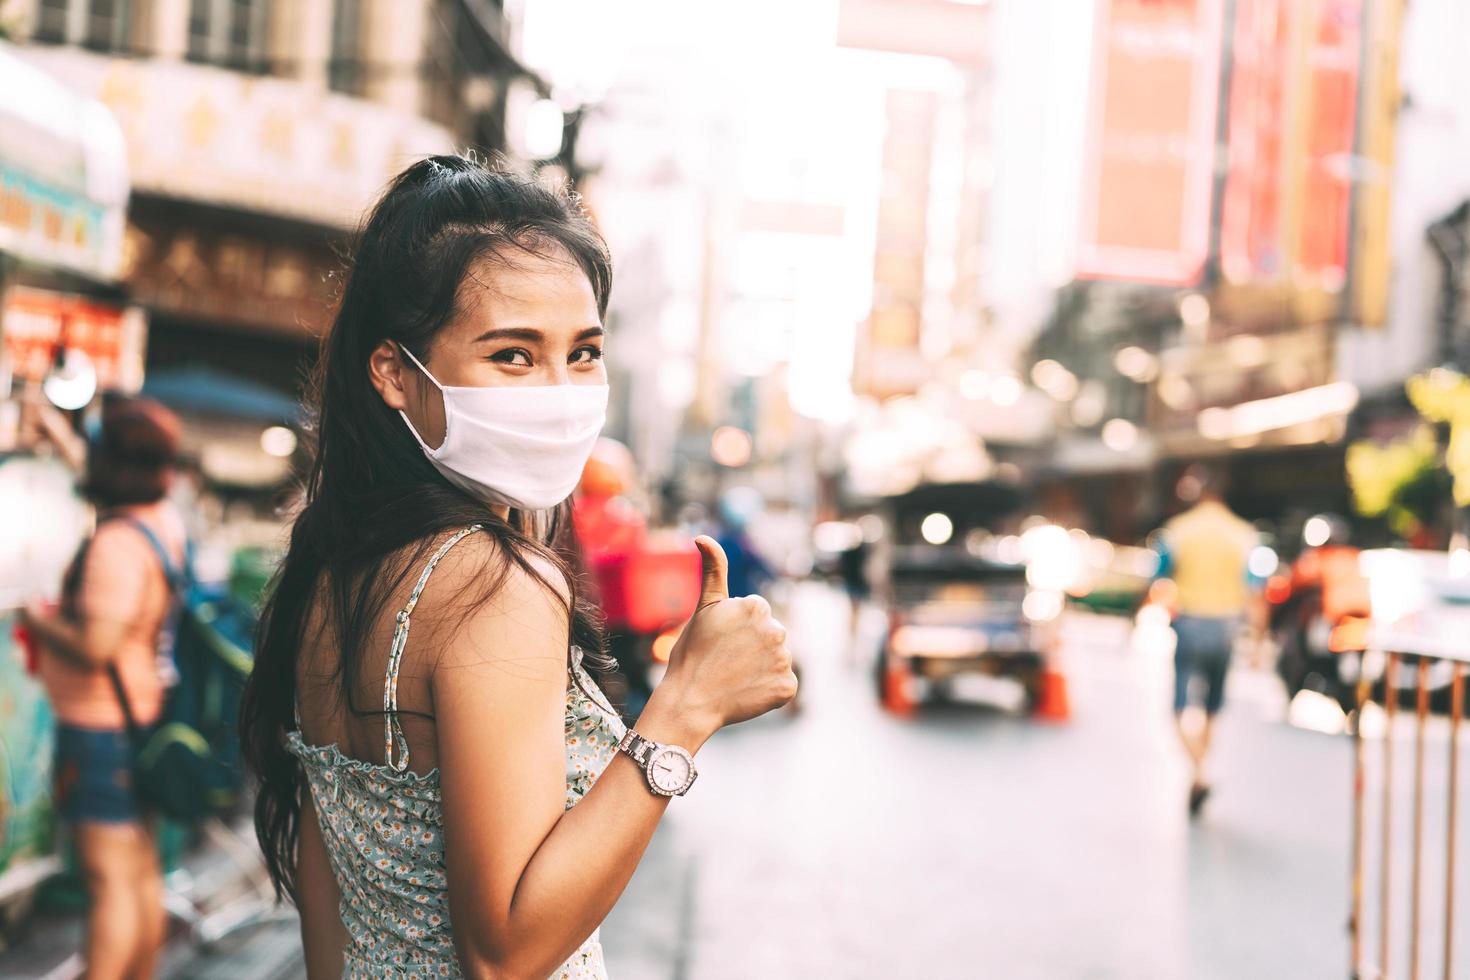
(1206, 551)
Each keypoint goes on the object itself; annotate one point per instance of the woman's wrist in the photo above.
(674, 719)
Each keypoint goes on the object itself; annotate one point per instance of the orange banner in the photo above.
(1148, 171)
(1293, 109)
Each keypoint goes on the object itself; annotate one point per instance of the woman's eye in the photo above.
(586, 355)
(513, 356)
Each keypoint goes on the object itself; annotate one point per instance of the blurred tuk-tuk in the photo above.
(959, 598)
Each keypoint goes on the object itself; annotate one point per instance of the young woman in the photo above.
(105, 638)
(444, 791)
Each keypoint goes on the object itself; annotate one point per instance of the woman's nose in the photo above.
(555, 374)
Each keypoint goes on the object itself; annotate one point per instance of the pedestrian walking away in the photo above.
(101, 658)
(443, 788)
(1206, 551)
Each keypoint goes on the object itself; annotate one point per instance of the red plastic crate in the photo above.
(650, 588)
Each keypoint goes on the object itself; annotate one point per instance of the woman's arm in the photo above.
(90, 645)
(528, 880)
(42, 423)
(318, 900)
(112, 597)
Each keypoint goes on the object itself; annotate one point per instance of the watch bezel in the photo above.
(659, 750)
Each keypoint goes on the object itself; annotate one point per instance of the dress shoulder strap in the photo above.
(393, 731)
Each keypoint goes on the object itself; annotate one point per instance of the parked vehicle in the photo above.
(962, 596)
(1318, 614)
(1336, 601)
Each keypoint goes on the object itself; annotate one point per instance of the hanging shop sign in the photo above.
(34, 323)
(1293, 124)
(269, 145)
(1149, 166)
(890, 361)
(205, 267)
(43, 224)
(63, 174)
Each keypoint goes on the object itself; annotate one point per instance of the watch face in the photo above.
(670, 770)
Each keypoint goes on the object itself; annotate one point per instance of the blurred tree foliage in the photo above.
(1400, 482)
(1407, 482)
(1442, 396)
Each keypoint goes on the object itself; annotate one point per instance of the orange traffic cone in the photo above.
(897, 688)
(1053, 705)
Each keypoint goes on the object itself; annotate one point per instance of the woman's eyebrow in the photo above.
(528, 334)
(531, 335)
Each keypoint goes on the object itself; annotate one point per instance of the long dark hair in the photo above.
(373, 505)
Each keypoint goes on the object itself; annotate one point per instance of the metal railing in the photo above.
(1396, 675)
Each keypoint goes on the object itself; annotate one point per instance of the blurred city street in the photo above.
(1104, 355)
(847, 843)
(967, 842)
(841, 841)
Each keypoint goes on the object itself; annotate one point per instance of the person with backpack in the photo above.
(103, 660)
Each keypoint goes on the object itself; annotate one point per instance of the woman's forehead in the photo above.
(508, 289)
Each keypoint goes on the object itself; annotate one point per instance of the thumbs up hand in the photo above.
(731, 662)
(714, 569)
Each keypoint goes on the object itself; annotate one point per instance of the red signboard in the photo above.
(1334, 41)
(34, 322)
(1251, 237)
(1293, 107)
(1148, 171)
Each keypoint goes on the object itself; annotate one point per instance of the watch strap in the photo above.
(637, 747)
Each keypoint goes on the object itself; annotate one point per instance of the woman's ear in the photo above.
(386, 369)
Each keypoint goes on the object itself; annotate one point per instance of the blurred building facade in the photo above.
(1262, 312)
(1189, 229)
(723, 196)
(937, 352)
(177, 178)
(256, 135)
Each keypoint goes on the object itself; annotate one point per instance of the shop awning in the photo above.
(211, 392)
(63, 173)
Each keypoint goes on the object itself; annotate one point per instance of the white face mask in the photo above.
(521, 446)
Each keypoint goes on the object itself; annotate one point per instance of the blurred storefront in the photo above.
(176, 181)
(63, 198)
(1220, 313)
(242, 186)
(63, 193)
(257, 134)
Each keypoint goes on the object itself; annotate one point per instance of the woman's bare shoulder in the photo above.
(484, 604)
(483, 570)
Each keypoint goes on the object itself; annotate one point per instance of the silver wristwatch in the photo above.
(669, 769)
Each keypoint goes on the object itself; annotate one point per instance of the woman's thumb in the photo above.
(714, 567)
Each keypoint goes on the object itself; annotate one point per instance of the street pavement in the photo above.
(843, 842)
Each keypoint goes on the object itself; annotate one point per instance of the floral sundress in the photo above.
(384, 826)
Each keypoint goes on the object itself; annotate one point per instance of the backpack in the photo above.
(188, 766)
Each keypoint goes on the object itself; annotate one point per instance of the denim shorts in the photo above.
(94, 776)
(1203, 652)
